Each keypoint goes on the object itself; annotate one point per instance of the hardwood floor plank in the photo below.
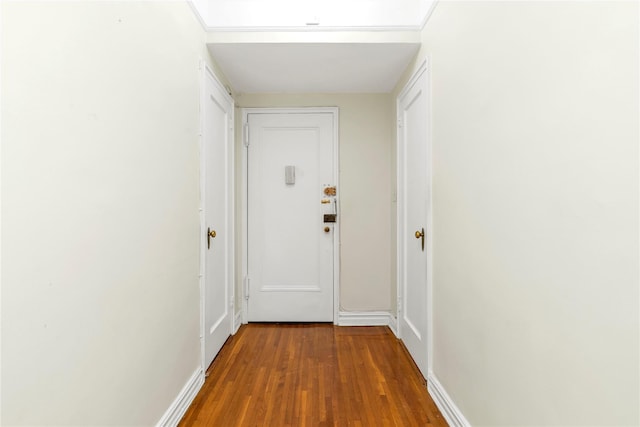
(279, 375)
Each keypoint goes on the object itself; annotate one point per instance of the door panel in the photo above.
(413, 224)
(290, 255)
(218, 261)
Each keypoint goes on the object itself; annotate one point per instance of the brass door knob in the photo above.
(211, 234)
(420, 235)
(327, 229)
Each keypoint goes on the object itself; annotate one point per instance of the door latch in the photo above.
(330, 217)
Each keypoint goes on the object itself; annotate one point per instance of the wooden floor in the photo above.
(280, 375)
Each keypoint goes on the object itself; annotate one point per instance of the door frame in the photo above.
(400, 235)
(207, 72)
(244, 135)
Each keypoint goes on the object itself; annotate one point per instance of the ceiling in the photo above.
(313, 67)
(241, 15)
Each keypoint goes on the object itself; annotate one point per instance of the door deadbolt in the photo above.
(420, 235)
(211, 234)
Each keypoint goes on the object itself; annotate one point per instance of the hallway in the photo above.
(313, 375)
(531, 298)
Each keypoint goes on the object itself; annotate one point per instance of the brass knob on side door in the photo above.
(327, 229)
(211, 234)
(420, 235)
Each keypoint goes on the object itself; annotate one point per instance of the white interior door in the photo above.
(290, 245)
(217, 143)
(414, 233)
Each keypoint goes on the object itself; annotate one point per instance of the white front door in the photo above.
(217, 153)
(291, 174)
(414, 233)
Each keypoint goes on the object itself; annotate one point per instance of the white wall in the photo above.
(535, 198)
(100, 298)
(365, 135)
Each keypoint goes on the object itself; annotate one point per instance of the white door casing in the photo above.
(414, 218)
(291, 269)
(217, 231)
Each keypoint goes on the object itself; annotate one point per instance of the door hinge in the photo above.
(246, 134)
(246, 288)
(400, 123)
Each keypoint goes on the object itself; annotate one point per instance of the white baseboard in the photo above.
(176, 411)
(364, 318)
(237, 322)
(393, 325)
(444, 402)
